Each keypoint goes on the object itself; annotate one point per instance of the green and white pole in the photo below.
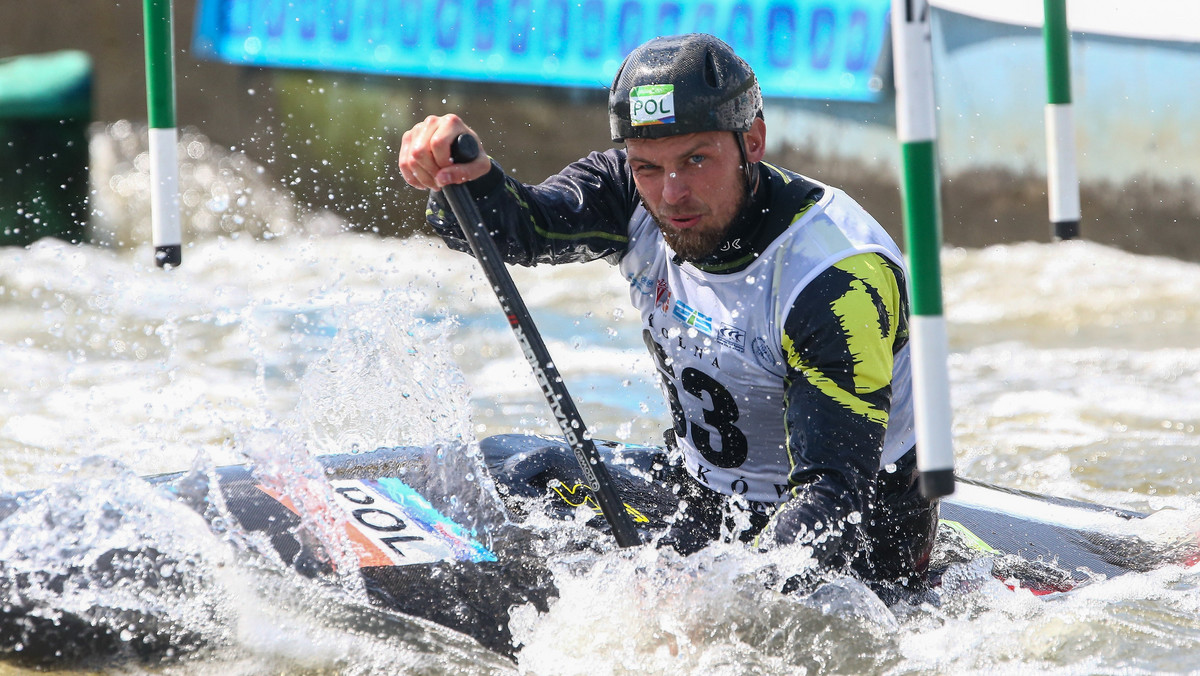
(916, 129)
(164, 155)
(1061, 174)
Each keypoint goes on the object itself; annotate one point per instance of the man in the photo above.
(774, 306)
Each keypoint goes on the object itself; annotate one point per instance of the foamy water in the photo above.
(1075, 371)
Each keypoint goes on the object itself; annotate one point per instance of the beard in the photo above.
(695, 244)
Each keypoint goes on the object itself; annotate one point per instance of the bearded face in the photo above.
(693, 185)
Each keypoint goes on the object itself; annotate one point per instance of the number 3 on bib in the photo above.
(720, 417)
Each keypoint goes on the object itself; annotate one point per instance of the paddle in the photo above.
(466, 149)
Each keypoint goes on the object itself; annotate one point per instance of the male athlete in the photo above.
(774, 306)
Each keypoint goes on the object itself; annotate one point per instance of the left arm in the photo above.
(839, 339)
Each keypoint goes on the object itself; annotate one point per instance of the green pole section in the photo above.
(1057, 39)
(160, 64)
(160, 111)
(922, 226)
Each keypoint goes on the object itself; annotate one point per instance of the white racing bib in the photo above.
(716, 339)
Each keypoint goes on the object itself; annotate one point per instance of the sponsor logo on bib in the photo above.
(762, 354)
(652, 104)
(693, 318)
(644, 285)
(662, 295)
(731, 336)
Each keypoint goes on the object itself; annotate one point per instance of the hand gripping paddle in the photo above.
(465, 149)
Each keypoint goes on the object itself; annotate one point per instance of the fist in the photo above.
(425, 159)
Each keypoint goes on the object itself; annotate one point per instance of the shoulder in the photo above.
(864, 285)
(869, 269)
(848, 324)
(792, 189)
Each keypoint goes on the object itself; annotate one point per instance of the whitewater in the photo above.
(1075, 371)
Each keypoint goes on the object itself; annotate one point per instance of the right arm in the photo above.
(580, 214)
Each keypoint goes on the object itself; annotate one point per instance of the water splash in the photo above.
(221, 192)
(384, 379)
(387, 379)
(102, 561)
(651, 611)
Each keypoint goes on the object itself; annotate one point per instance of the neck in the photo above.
(738, 248)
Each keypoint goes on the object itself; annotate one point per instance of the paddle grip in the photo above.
(464, 149)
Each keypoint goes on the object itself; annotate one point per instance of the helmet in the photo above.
(681, 85)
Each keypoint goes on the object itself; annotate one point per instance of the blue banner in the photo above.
(825, 49)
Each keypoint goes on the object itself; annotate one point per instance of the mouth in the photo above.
(683, 222)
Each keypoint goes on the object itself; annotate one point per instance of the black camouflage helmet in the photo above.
(681, 85)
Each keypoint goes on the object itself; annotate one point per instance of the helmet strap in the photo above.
(747, 167)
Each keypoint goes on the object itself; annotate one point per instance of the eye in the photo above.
(697, 159)
(643, 168)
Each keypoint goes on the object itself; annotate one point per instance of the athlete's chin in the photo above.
(691, 244)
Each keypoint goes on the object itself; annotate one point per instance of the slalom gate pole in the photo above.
(916, 130)
(1061, 174)
(465, 149)
(164, 155)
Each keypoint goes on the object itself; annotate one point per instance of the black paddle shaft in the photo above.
(465, 149)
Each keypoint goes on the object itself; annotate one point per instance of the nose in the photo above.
(675, 188)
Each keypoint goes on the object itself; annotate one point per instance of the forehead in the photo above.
(647, 149)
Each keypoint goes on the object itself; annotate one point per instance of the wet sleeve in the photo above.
(839, 339)
(580, 214)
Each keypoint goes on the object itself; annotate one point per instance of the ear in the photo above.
(756, 140)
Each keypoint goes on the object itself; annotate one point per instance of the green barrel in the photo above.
(45, 110)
